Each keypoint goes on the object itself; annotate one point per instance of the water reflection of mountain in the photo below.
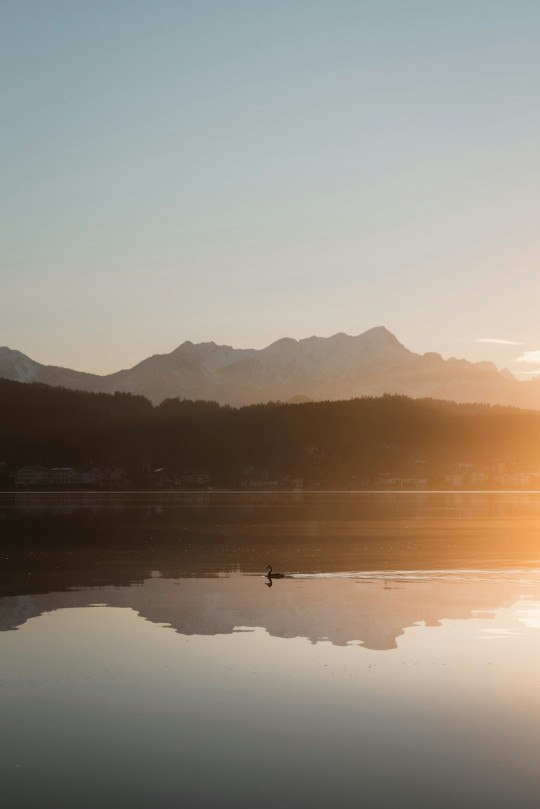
(106, 546)
(375, 612)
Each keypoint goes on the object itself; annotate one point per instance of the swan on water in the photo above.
(271, 575)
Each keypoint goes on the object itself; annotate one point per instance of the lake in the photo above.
(145, 660)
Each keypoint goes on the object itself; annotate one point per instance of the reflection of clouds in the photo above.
(499, 633)
(530, 357)
(531, 615)
(498, 341)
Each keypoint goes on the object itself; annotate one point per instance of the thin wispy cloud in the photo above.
(530, 357)
(498, 341)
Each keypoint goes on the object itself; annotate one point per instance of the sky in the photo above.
(246, 170)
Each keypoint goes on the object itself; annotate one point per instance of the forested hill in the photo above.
(326, 443)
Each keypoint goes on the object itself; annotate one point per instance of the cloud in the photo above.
(498, 342)
(530, 357)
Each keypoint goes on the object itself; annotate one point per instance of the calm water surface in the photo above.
(145, 661)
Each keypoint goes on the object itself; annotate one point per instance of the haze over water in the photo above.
(144, 660)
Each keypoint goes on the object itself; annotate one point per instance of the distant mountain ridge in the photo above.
(318, 368)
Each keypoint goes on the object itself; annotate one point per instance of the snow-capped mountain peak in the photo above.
(336, 367)
(16, 365)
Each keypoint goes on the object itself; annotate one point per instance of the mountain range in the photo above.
(315, 368)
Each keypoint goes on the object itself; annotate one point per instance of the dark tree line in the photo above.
(331, 440)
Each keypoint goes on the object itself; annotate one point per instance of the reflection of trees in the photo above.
(100, 539)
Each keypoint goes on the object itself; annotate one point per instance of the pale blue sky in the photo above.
(239, 171)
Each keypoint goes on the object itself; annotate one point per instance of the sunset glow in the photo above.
(270, 404)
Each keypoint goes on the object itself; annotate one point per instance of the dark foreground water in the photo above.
(145, 661)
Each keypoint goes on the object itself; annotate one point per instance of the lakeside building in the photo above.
(31, 476)
(67, 477)
(385, 480)
(196, 477)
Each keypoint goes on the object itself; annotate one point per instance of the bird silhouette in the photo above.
(270, 575)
